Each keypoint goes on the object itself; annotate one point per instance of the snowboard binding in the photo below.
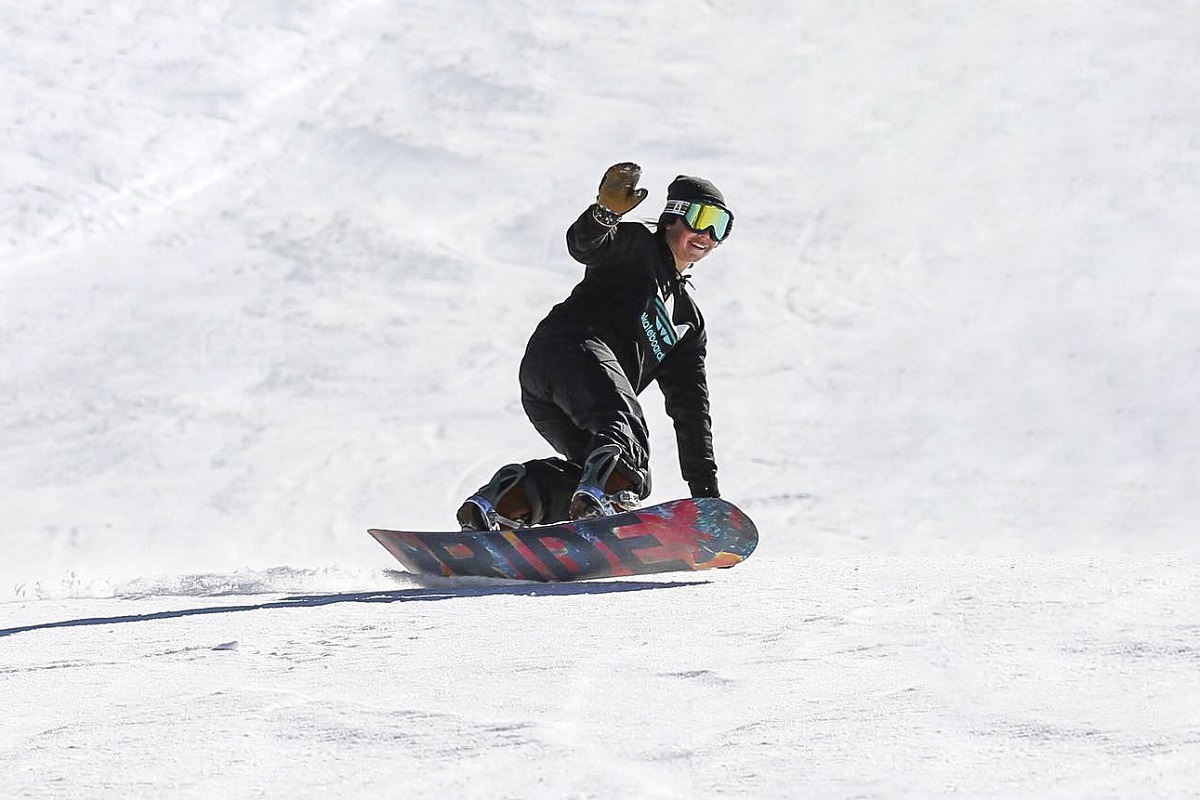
(603, 490)
(480, 512)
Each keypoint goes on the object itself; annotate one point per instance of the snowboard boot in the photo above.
(603, 490)
(500, 504)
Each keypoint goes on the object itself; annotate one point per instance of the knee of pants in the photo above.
(549, 484)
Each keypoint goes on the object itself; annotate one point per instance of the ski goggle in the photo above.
(702, 217)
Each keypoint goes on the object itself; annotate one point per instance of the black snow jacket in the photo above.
(633, 299)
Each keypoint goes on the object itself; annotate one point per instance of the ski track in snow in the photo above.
(266, 274)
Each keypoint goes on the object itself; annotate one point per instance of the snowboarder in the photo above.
(630, 321)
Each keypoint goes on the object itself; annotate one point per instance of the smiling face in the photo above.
(687, 245)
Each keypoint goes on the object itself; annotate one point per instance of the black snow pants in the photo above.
(578, 398)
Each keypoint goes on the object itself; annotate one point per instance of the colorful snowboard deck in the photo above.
(681, 535)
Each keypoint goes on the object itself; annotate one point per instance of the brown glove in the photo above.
(618, 189)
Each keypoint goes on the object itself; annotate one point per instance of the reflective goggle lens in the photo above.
(702, 217)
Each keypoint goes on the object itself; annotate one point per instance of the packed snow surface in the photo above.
(266, 273)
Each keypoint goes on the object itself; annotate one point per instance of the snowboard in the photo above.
(680, 535)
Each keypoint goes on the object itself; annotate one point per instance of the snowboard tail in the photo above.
(681, 535)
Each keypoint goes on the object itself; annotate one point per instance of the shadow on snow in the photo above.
(428, 593)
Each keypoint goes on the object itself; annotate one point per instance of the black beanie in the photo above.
(695, 190)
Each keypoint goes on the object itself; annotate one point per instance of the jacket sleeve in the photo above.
(594, 244)
(684, 385)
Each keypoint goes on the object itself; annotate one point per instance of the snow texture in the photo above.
(266, 272)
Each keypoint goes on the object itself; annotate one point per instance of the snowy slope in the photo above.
(965, 677)
(266, 271)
